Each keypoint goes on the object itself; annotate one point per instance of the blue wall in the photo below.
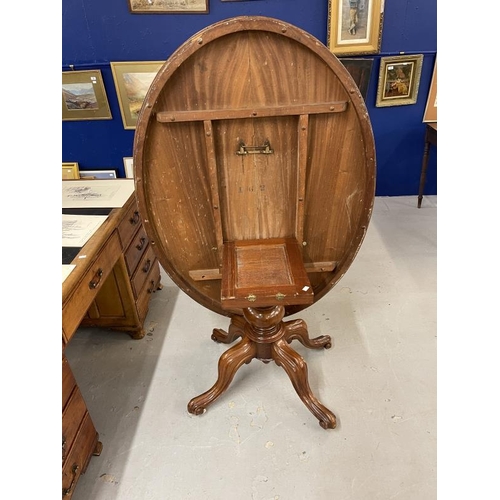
(96, 32)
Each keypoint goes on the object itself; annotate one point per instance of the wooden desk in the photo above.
(114, 277)
(430, 138)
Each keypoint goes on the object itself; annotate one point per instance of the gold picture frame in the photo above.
(84, 96)
(355, 29)
(431, 108)
(168, 6)
(132, 81)
(399, 79)
(70, 171)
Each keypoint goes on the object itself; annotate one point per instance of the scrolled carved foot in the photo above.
(297, 330)
(196, 409)
(229, 362)
(235, 331)
(220, 336)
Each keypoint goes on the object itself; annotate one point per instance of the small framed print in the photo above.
(431, 108)
(399, 79)
(84, 96)
(132, 81)
(70, 171)
(98, 174)
(355, 26)
(168, 6)
(128, 165)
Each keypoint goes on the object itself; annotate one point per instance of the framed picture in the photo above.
(431, 108)
(128, 164)
(361, 71)
(167, 6)
(84, 96)
(70, 171)
(398, 81)
(98, 174)
(132, 81)
(355, 26)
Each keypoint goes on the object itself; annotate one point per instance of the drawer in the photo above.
(151, 285)
(79, 456)
(141, 273)
(71, 419)
(136, 250)
(68, 381)
(129, 225)
(85, 293)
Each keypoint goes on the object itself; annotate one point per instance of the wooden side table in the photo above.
(430, 138)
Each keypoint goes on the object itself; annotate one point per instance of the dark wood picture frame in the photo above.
(361, 72)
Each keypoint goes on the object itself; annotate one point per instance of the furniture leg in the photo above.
(423, 173)
(296, 368)
(229, 362)
(235, 330)
(297, 330)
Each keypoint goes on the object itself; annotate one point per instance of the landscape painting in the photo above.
(132, 82)
(83, 96)
(79, 96)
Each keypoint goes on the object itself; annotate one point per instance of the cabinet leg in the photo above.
(98, 449)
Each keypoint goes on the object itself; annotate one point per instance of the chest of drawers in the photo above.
(122, 302)
(111, 286)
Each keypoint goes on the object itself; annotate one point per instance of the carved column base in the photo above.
(265, 336)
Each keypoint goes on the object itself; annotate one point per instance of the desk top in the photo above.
(84, 257)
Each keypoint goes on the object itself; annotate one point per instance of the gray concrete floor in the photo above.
(258, 441)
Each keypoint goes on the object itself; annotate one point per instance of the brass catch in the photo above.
(252, 297)
(265, 149)
(280, 296)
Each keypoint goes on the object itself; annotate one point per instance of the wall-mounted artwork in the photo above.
(132, 82)
(431, 108)
(70, 171)
(355, 26)
(167, 6)
(98, 174)
(84, 96)
(128, 165)
(360, 70)
(399, 79)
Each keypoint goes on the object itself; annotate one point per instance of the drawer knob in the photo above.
(94, 282)
(141, 244)
(135, 218)
(146, 266)
(67, 491)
